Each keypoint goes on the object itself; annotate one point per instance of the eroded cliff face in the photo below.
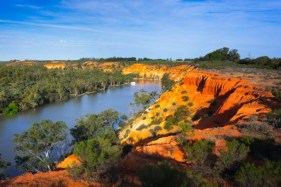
(216, 105)
(157, 71)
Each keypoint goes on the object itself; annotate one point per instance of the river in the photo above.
(117, 98)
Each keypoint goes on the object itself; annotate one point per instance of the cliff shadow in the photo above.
(209, 118)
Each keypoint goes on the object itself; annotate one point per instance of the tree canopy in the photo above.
(96, 143)
(97, 125)
(166, 82)
(223, 54)
(34, 146)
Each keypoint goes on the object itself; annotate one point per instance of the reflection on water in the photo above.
(118, 98)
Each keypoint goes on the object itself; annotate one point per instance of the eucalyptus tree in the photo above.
(34, 146)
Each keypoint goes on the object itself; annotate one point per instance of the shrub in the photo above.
(185, 127)
(185, 98)
(180, 114)
(276, 93)
(174, 103)
(163, 174)
(97, 155)
(258, 128)
(141, 127)
(11, 109)
(156, 121)
(190, 104)
(199, 151)
(170, 121)
(196, 179)
(165, 110)
(127, 133)
(265, 175)
(274, 118)
(157, 106)
(183, 92)
(228, 158)
(155, 130)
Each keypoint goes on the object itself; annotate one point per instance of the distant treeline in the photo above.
(223, 57)
(26, 87)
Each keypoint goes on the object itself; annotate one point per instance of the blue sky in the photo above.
(71, 29)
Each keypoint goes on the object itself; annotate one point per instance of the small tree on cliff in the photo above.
(35, 145)
(166, 82)
(142, 99)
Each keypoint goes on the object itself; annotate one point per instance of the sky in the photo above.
(73, 29)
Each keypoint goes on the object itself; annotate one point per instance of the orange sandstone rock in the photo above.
(69, 161)
(55, 65)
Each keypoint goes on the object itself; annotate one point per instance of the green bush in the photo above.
(11, 109)
(185, 127)
(97, 155)
(190, 104)
(127, 133)
(274, 118)
(141, 127)
(264, 175)
(165, 110)
(157, 106)
(276, 93)
(155, 130)
(180, 114)
(185, 98)
(183, 92)
(163, 174)
(196, 179)
(156, 121)
(199, 151)
(229, 158)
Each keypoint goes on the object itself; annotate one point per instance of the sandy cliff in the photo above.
(217, 105)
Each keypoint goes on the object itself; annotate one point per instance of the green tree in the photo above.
(235, 152)
(96, 125)
(199, 151)
(35, 145)
(142, 99)
(267, 174)
(98, 155)
(163, 174)
(11, 109)
(166, 82)
(233, 55)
